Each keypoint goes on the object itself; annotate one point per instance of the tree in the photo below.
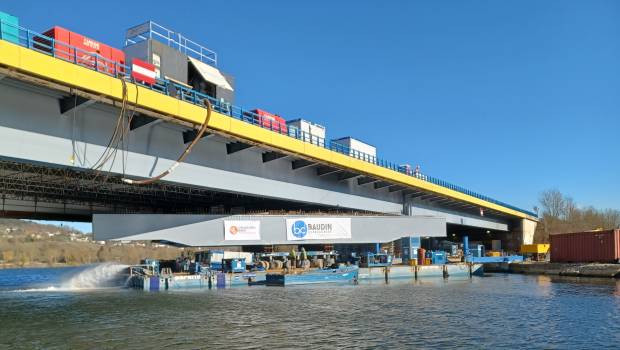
(553, 203)
(561, 214)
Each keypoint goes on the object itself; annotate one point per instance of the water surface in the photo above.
(498, 311)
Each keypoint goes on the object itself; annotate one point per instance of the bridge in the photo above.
(73, 137)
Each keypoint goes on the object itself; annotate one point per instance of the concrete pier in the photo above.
(559, 269)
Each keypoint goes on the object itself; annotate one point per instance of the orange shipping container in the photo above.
(581, 247)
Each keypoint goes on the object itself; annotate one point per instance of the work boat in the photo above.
(341, 275)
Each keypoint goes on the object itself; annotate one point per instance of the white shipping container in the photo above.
(310, 132)
(249, 257)
(217, 257)
(358, 149)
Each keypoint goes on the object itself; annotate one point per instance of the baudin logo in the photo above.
(300, 229)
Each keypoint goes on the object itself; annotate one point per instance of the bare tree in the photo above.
(560, 214)
(553, 203)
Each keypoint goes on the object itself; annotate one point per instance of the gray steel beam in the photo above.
(190, 135)
(269, 156)
(427, 197)
(139, 120)
(345, 175)
(444, 201)
(326, 170)
(76, 102)
(301, 163)
(366, 180)
(236, 147)
(396, 188)
(381, 184)
(417, 194)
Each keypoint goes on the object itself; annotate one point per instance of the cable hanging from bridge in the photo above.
(183, 155)
(112, 146)
(120, 136)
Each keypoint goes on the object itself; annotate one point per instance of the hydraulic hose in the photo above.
(183, 155)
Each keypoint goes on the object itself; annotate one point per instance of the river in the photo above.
(57, 308)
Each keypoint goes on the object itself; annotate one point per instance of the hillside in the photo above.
(27, 243)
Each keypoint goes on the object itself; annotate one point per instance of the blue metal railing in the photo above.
(60, 50)
(152, 30)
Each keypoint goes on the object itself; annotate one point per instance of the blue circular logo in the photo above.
(300, 229)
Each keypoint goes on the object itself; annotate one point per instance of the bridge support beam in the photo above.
(236, 147)
(301, 163)
(366, 180)
(345, 175)
(326, 170)
(190, 135)
(76, 102)
(269, 156)
(140, 120)
(381, 184)
(523, 233)
(396, 188)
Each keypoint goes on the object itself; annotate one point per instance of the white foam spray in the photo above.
(98, 276)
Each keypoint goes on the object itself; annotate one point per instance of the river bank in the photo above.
(595, 270)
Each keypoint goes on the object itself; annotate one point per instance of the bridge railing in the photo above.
(152, 30)
(66, 52)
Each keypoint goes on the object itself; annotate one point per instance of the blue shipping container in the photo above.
(10, 28)
(438, 257)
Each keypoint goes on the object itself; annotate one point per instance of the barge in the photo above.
(143, 278)
(343, 275)
(401, 272)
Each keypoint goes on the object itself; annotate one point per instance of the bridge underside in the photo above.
(43, 191)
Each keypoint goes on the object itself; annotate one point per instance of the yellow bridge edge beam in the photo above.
(38, 64)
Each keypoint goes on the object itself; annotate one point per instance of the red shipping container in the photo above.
(118, 56)
(582, 247)
(64, 40)
(271, 121)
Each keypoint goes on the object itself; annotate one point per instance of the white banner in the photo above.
(241, 230)
(318, 228)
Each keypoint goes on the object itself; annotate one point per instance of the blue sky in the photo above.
(507, 98)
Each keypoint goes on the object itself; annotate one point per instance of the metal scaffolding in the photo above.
(93, 191)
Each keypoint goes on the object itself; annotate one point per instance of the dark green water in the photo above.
(499, 311)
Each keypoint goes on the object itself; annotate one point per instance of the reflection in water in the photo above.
(544, 285)
(498, 311)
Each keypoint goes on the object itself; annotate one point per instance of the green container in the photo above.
(9, 28)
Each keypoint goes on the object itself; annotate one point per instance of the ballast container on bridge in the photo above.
(269, 120)
(582, 247)
(9, 27)
(65, 41)
(356, 148)
(308, 131)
